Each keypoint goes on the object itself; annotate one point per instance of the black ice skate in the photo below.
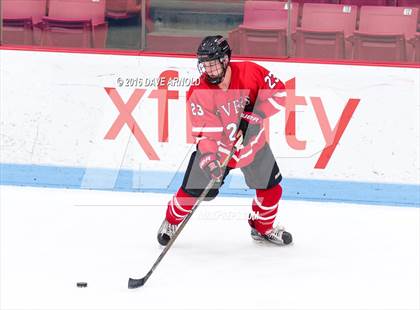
(277, 235)
(165, 233)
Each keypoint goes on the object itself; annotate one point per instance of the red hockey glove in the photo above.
(250, 125)
(211, 166)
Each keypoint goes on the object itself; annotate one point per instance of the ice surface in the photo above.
(344, 256)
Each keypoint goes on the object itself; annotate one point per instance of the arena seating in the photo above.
(383, 33)
(75, 23)
(375, 30)
(324, 30)
(264, 28)
(21, 20)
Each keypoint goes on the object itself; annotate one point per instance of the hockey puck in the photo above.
(81, 284)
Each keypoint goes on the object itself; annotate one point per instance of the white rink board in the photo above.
(55, 111)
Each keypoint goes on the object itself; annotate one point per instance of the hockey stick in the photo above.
(135, 283)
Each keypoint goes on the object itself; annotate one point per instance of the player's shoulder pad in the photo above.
(254, 71)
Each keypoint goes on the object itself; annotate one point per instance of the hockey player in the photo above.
(227, 108)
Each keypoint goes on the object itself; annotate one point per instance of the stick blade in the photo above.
(136, 283)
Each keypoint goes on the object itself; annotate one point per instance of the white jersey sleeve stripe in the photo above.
(207, 129)
(225, 151)
(280, 94)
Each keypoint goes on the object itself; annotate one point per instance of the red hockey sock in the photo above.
(179, 207)
(264, 207)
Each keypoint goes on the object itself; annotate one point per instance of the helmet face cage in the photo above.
(214, 70)
(213, 58)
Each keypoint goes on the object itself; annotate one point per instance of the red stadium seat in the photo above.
(410, 4)
(18, 31)
(78, 10)
(264, 29)
(383, 32)
(127, 9)
(416, 44)
(75, 23)
(122, 9)
(365, 2)
(59, 32)
(324, 30)
(21, 19)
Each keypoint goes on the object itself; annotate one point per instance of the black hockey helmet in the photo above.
(214, 48)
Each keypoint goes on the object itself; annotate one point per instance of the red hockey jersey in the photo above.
(215, 113)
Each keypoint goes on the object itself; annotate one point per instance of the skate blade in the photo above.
(266, 243)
